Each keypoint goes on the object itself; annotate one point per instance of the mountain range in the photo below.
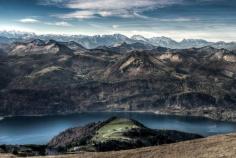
(52, 77)
(91, 42)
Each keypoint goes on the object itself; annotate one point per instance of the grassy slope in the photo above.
(222, 146)
(114, 130)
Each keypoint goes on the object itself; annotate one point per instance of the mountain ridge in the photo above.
(111, 40)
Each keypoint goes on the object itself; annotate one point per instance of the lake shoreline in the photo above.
(40, 129)
(161, 112)
(84, 112)
(112, 138)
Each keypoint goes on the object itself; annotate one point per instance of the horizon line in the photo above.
(129, 36)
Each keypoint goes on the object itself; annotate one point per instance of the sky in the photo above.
(213, 20)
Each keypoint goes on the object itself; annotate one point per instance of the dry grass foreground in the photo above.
(222, 146)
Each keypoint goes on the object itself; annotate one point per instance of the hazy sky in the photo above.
(208, 19)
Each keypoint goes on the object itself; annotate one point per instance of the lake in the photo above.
(40, 129)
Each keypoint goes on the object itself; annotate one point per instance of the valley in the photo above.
(118, 78)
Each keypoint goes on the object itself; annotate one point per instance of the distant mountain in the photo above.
(140, 38)
(4, 40)
(115, 39)
(156, 41)
(163, 42)
(189, 43)
(104, 40)
(125, 47)
(17, 34)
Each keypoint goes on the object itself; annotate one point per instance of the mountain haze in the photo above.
(91, 42)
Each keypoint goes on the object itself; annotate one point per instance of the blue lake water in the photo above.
(40, 129)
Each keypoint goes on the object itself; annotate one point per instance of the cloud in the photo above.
(181, 19)
(89, 14)
(61, 23)
(86, 9)
(78, 15)
(109, 4)
(33, 21)
(29, 20)
(51, 2)
(115, 26)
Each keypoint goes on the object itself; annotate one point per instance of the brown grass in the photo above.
(222, 146)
